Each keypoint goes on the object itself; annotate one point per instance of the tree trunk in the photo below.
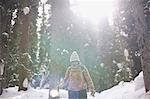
(1, 11)
(23, 25)
(146, 62)
(143, 41)
(137, 16)
(24, 33)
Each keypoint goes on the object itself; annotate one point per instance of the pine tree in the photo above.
(7, 35)
(44, 36)
(33, 36)
(129, 32)
(136, 27)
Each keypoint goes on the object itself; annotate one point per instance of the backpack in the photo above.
(76, 77)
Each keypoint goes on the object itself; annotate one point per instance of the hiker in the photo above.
(77, 79)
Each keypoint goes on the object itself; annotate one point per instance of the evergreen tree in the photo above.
(128, 30)
(134, 24)
(33, 36)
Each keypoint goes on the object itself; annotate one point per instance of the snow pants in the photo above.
(82, 94)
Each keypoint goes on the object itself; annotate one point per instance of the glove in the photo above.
(93, 93)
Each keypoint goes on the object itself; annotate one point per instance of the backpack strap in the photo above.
(83, 70)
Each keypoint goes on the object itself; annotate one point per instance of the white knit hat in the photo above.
(74, 57)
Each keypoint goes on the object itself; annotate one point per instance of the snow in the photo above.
(26, 10)
(58, 49)
(120, 66)
(114, 61)
(14, 15)
(68, 28)
(65, 51)
(123, 18)
(123, 33)
(139, 81)
(102, 64)
(1, 68)
(122, 12)
(126, 54)
(11, 93)
(86, 44)
(137, 53)
(43, 1)
(5, 33)
(25, 83)
(124, 90)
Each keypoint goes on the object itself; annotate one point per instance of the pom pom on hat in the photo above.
(74, 57)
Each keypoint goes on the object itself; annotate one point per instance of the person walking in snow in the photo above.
(77, 79)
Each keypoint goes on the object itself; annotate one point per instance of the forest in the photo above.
(36, 33)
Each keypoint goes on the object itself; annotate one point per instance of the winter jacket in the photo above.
(78, 78)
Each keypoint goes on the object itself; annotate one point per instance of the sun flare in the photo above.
(92, 10)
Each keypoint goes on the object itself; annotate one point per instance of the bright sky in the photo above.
(92, 10)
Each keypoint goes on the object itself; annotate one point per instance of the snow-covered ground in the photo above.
(124, 90)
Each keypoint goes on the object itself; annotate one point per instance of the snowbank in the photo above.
(12, 93)
(127, 90)
(124, 90)
(139, 81)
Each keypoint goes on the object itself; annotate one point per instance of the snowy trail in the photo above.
(115, 93)
(125, 90)
(12, 93)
